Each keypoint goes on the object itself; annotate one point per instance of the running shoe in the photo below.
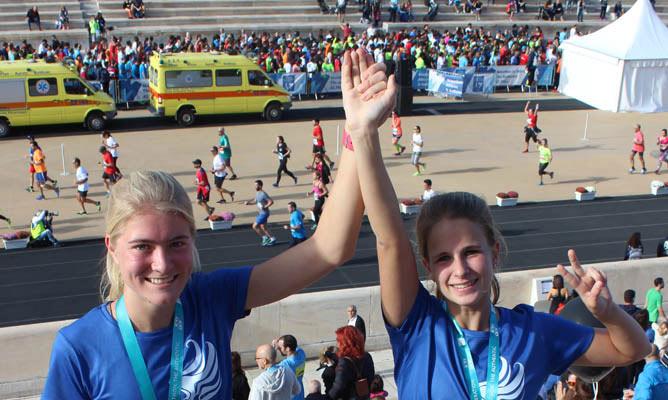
(397, 154)
(57, 190)
(55, 182)
(416, 174)
(424, 166)
(82, 213)
(99, 206)
(643, 171)
(632, 170)
(234, 176)
(525, 151)
(30, 189)
(40, 197)
(331, 165)
(540, 184)
(403, 148)
(271, 241)
(295, 178)
(265, 241)
(658, 172)
(274, 184)
(551, 175)
(221, 201)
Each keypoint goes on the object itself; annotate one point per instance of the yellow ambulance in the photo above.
(40, 93)
(183, 85)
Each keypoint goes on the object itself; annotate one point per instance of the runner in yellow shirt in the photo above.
(545, 154)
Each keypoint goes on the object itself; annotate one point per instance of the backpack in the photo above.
(361, 383)
(635, 253)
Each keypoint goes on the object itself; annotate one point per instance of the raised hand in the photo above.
(591, 285)
(368, 95)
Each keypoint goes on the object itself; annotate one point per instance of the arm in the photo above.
(332, 244)
(526, 107)
(622, 342)
(397, 268)
(270, 202)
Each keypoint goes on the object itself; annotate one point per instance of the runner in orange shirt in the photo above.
(638, 147)
(39, 163)
(397, 132)
(319, 145)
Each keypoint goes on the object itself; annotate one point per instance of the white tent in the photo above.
(621, 67)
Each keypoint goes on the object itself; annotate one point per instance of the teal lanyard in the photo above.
(137, 360)
(493, 358)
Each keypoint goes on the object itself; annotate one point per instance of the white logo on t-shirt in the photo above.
(201, 377)
(511, 382)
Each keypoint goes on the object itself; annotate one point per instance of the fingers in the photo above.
(575, 263)
(371, 80)
(363, 60)
(596, 289)
(346, 72)
(355, 68)
(571, 279)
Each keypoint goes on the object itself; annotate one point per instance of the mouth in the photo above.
(161, 281)
(463, 286)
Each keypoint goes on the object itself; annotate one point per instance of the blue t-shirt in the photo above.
(652, 382)
(89, 361)
(297, 363)
(533, 345)
(297, 218)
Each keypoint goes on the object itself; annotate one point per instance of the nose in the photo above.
(460, 266)
(160, 260)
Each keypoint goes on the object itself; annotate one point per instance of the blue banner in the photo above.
(420, 79)
(132, 91)
(295, 84)
(328, 82)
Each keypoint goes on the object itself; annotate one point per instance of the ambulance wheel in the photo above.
(95, 121)
(4, 128)
(186, 116)
(273, 112)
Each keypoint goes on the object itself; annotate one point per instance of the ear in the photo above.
(496, 254)
(110, 247)
(425, 264)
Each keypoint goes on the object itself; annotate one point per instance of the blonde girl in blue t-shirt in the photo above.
(460, 345)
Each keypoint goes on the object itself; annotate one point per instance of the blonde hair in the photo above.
(456, 205)
(137, 192)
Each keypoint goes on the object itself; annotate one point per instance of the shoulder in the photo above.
(95, 322)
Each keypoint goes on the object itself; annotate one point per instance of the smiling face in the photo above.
(461, 262)
(154, 253)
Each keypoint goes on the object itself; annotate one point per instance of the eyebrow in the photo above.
(180, 237)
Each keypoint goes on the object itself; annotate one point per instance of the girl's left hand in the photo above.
(591, 285)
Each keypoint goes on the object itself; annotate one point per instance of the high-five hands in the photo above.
(368, 94)
(591, 285)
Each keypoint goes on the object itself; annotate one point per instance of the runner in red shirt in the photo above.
(531, 130)
(109, 176)
(203, 188)
(397, 132)
(319, 145)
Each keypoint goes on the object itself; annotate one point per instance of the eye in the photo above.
(178, 244)
(443, 258)
(140, 247)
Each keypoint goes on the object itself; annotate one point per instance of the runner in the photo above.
(544, 159)
(263, 202)
(319, 145)
(225, 150)
(39, 163)
(283, 152)
(31, 167)
(638, 147)
(418, 144)
(319, 192)
(397, 132)
(531, 129)
(662, 142)
(296, 226)
(81, 180)
(109, 176)
(219, 174)
(203, 188)
(323, 169)
(112, 146)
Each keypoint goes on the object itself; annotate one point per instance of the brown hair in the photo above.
(456, 205)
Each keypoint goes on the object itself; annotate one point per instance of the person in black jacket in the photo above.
(355, 370)
(328, 361)
(356, 321)
(240, 388)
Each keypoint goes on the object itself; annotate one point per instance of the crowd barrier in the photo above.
(449, 82)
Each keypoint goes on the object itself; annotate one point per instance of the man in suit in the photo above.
(355, 320)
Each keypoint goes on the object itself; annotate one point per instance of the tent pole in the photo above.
(586, 126)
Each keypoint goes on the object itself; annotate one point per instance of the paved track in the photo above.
(40, 285)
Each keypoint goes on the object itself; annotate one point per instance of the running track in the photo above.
(40, 285)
